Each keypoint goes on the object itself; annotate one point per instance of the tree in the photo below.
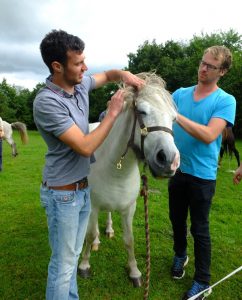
(7, 98)
(98, 100)
(177, 63)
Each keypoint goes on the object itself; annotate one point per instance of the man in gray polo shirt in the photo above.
(61, 112)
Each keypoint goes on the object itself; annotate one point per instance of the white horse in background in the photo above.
(8, 134)
(142, 131)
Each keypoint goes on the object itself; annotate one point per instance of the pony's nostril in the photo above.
(161, 157)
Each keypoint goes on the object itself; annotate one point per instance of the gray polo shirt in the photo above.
(55, 111)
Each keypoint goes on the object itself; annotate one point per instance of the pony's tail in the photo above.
(21, 127)
(228, 149)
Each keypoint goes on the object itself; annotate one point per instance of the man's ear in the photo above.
(223, 72)
(57, 67)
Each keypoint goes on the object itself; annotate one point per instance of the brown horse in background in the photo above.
(228, 145)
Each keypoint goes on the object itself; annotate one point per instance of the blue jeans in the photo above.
(190, 193)
(67, 215)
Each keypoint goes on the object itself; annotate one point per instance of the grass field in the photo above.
(24, 250)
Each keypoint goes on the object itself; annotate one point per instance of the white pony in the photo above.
(8, 134)
(143, 130)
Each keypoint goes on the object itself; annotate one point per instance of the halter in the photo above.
(144, 131)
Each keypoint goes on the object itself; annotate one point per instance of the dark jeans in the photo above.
(1, 156)
(189, 193)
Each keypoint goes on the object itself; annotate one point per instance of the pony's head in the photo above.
(155, 112)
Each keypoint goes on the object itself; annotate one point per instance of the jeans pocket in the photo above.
(63, 197)
(87, 194)
(44, 196)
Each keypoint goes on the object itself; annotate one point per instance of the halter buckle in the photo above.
(119, 164)
(144, 131)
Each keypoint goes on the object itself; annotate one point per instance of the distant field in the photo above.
(24, 250)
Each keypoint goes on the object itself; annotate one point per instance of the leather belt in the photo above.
(79, 185)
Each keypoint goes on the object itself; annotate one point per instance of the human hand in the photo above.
(115, 105)
(237, 175)
(131, 79)
(1, 133)
(176, 117)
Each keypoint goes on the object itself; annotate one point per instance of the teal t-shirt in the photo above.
(197, 158)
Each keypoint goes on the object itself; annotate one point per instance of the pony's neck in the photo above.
(119, 136)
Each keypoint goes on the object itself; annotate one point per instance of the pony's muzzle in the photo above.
(168, 164)
(161, 157)
(176, 162)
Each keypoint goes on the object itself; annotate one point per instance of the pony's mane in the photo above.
(153, 84)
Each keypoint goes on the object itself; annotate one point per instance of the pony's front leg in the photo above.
(109, 226)
(127, 220)
(84, 268)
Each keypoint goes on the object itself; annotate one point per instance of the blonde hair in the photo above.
(221, 53)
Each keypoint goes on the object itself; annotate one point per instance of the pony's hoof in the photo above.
(84, 273)
(137, 282)
(110, 235)
(95, 247)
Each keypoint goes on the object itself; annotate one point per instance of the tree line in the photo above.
(175, 61)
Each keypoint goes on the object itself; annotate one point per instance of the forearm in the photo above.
(238, 175)
(118, 75)
(114, 75)
(205, 133)
(86, 144)
(196, 130)
(96, 137)
(239, 170)
(1, 133)
(107, 76)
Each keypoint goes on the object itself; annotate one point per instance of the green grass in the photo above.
(24, 250)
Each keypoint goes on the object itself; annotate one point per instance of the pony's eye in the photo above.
(142, 112)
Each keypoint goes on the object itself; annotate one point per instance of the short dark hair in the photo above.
(55, 45)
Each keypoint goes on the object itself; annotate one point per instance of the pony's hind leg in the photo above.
(12, 144)
(127, 220)
(14, 150)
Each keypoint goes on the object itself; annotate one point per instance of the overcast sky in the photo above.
(111, 29)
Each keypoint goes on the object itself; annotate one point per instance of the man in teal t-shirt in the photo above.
(204, 111)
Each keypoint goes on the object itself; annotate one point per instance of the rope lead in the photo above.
(144, 193)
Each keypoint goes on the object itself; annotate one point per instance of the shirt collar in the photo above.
(56, 89)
